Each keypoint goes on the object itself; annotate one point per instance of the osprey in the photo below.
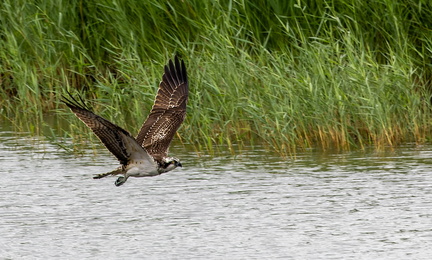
(147, 154)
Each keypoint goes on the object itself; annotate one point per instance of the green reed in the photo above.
(286, 74)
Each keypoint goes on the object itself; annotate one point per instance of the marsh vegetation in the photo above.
(286, 74)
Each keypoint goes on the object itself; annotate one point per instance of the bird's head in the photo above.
(170, 163)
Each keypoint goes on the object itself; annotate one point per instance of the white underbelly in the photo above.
(140, 170)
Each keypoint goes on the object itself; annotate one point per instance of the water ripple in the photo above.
(256, 206)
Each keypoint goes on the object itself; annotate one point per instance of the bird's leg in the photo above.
(119, 170)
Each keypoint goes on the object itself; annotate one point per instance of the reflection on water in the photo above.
(356, 205)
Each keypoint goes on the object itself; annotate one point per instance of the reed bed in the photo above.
(287, 74)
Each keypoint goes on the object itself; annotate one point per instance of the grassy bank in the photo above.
(287, 74)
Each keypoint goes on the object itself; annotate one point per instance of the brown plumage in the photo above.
(111, 135)
(168, 111)
(147, 154)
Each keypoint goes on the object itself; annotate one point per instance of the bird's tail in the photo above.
(119, 170)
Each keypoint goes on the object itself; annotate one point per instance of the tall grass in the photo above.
(287, 74)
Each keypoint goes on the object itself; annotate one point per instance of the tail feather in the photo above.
(114, 172)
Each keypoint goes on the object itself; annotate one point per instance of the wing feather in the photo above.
(168, 112)
(117, 140)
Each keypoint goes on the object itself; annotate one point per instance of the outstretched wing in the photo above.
(117, 140)
(168, 111)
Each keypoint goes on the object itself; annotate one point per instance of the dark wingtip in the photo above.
(178, 68)
(181, 68)
(72, 102)
(177, 60)
(175, 71)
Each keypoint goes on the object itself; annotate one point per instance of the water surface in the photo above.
(355, 205)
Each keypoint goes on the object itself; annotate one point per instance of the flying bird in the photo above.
(147, 154)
